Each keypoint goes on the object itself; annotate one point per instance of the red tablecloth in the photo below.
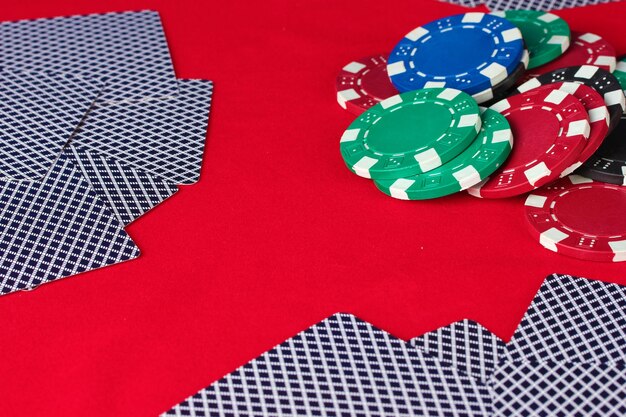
(278, 234)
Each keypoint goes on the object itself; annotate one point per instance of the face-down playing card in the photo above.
(566, 358)
(39, 111)
(55, 228)
(525, 389)
(573, 320)
(465, 345)
(128, 192)
(341, 366)
(128, 50)
(545, 5)
(465, 3)
(162, 137)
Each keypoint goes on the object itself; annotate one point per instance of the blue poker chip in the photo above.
(471, 52)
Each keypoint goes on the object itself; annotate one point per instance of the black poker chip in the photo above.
(503, 89)
(608, 164)
(601, 80)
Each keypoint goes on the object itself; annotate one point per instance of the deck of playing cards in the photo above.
(567, 358)
(95, 131)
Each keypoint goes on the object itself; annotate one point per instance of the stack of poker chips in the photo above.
(552, 123)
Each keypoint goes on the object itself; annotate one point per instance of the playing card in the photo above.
(55, 228)
(526, 389)
(341, 366)
(465, 345)
(127, 49)
(38, 113)
(128, 192)
(162, 137)
(573, 320)
(546, 5)
(465, 3)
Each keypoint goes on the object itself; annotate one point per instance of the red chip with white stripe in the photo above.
(579, 217)
(598, 118)
(363, 83)
(550, 129)
(585, 49)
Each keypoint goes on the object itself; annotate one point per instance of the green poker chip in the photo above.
(480, 159)
(546, 35)
(410, 133)
(620, 72)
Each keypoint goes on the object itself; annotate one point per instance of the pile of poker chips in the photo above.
(552, 124)
(95, 131)
(566, 358)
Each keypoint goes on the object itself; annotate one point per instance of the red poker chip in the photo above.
(598, 118)
(550, 129)
(579, 217)
(363, 83)
(585, 49)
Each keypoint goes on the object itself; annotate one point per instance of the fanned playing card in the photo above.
(128, 50)
(465, 3)
(39, 111)
(525, 389)
(128, 192)
(466, 345)
(545, 5)
(162, 137)
(573, 320)
(341, 366)
(55, 228)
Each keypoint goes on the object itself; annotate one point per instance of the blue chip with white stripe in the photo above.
(470, 52)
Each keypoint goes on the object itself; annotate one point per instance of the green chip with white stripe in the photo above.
(480, 159)
(410, 133)
(546, 35)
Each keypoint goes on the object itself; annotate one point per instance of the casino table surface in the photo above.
(278, 234)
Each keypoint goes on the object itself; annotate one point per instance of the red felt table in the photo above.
(278, 234)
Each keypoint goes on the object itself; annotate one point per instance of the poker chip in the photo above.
(491, 95)
(608, 163)
(470, 52)
(410, 133)
(481, 158)
(545, 35)
(602, 81)
(585, 49)
(620, 72)
(363, 83)
(550, 129)
(579, 217)
(598, 118)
